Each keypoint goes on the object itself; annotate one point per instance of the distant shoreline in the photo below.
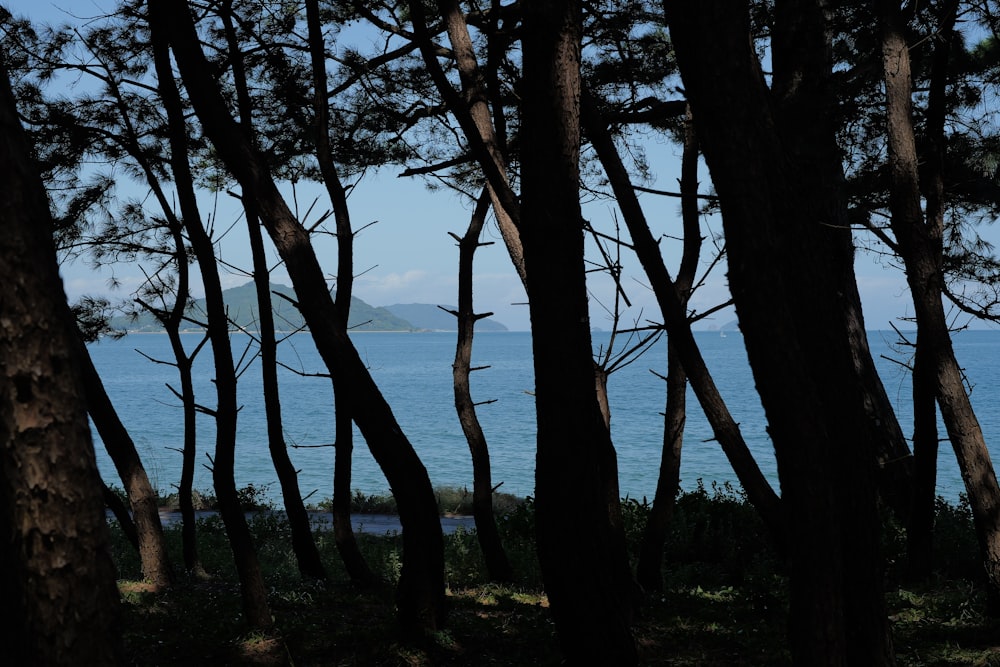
(141, 332)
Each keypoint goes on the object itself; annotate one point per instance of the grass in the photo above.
(724, 602)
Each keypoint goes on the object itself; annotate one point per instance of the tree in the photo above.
(776, 167)
(116, 122)
(256, 610)
(58, 577)
(420, 592)
(306, 552)
(579, 551)
(343, 531)
(919, 242)
(497, 563)
(142, 497)
(648, 569)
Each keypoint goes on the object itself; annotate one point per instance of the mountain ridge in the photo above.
(241, 303)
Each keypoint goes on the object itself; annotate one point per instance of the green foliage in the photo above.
(716, 538)
(202, 500)
(956, 552)
(120, 492)
(253, 497)
(373, 504)
(725, 601)
(451, 500)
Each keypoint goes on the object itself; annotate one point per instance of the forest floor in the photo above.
(724, 603)
(198, 623)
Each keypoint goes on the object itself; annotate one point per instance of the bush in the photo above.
(956, 548)
(717, 538)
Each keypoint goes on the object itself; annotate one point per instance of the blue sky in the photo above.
(408, 256)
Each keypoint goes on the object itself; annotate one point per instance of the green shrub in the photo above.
(253, 497)
(956, 549)
(716, 538)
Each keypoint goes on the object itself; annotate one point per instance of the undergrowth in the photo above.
(724, 600)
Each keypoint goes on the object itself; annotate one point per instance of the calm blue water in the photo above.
(414, 373)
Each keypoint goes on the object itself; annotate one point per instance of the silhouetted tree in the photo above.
(497, 563)
(774, 161)
(420, 593)
(580, 552)
(256, 610)
(303, 544)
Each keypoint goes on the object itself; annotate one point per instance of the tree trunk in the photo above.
(487, 533)
(776, 167)
(56, 572)
(256, 611)
(303, 544)
(580, 554)
(143, 499)
(122, 515)
(183, 361)
(920, 528)
(649, 569)
(671, 303)
(420, 593)
(921, 249)
(471, 110)
(343, 530)
(189, 450)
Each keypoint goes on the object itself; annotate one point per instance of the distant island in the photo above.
(242, 305)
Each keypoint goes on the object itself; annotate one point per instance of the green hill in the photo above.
(242, 304)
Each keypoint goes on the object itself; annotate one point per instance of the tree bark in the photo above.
(420, 592)
(776, 167)
(55, 565)
(920, 244)
(580, 553)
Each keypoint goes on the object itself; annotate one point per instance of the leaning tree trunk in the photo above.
(921, 249)
(56, 572)
(776, 167)
(303, 544)
(155, 562)
(497, 563)
(579, 552)
(421, 588)
(256, 611)
(671, 303)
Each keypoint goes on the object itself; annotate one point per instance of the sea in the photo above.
(413, 371)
